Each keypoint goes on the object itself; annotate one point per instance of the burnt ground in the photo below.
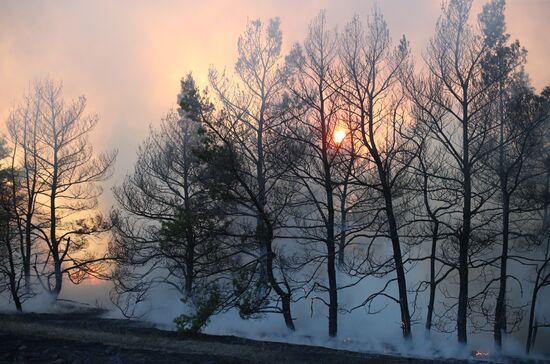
(83, 337)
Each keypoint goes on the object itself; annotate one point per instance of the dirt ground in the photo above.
(82, 338)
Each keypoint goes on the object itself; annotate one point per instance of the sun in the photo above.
(339, 135)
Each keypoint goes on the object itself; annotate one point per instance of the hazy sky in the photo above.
(127, 57)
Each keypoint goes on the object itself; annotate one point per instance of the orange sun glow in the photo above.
(339, 136)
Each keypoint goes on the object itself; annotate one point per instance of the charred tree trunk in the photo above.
(466, 227)
(342, 240)
(500, 309)
(398, 260)
(285, 300)
(330, 217)
(189, 234)
(264, 230)
(31, 187)
(344, 214)
(15, 294)
(433, 283)
(383, 176)
(330, 243)
(331, 271)
(267, 236)
(27, 256)
(12, 274)
(435, 237)
(531, 327)
(55, 243)
(190, 262)
(463, 287)
(262, 198)
(58, 275)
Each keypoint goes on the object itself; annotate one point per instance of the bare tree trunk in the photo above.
(262, 199)
(189, 266)
(465, 233)
(500, 309)
(264, 233)
(344, 212)
(329, 192)
(28, 252)
(12, 274)
(285, 296)
(399, 269)
(433, 284)
(331, 271)
(530, 328)
(58, 279)
(53, 218)
(285, 299)
(463, 291)
(435, 235)
(189, 235)
(342, 240)
(383, 176)
(31, 186)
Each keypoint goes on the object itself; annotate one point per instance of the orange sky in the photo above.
(127, 56)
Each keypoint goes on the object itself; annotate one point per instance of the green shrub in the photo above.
(253, 297)
(205, 309)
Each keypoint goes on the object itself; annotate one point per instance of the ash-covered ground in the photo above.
(85, 337)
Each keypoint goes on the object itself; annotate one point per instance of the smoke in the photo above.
(149, 84)
(358, 330)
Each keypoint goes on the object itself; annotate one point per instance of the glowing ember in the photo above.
(480, 354)
(338, 136)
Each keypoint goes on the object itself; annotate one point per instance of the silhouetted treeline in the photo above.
(297, 176)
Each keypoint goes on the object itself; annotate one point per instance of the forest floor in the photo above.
(83, 337)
